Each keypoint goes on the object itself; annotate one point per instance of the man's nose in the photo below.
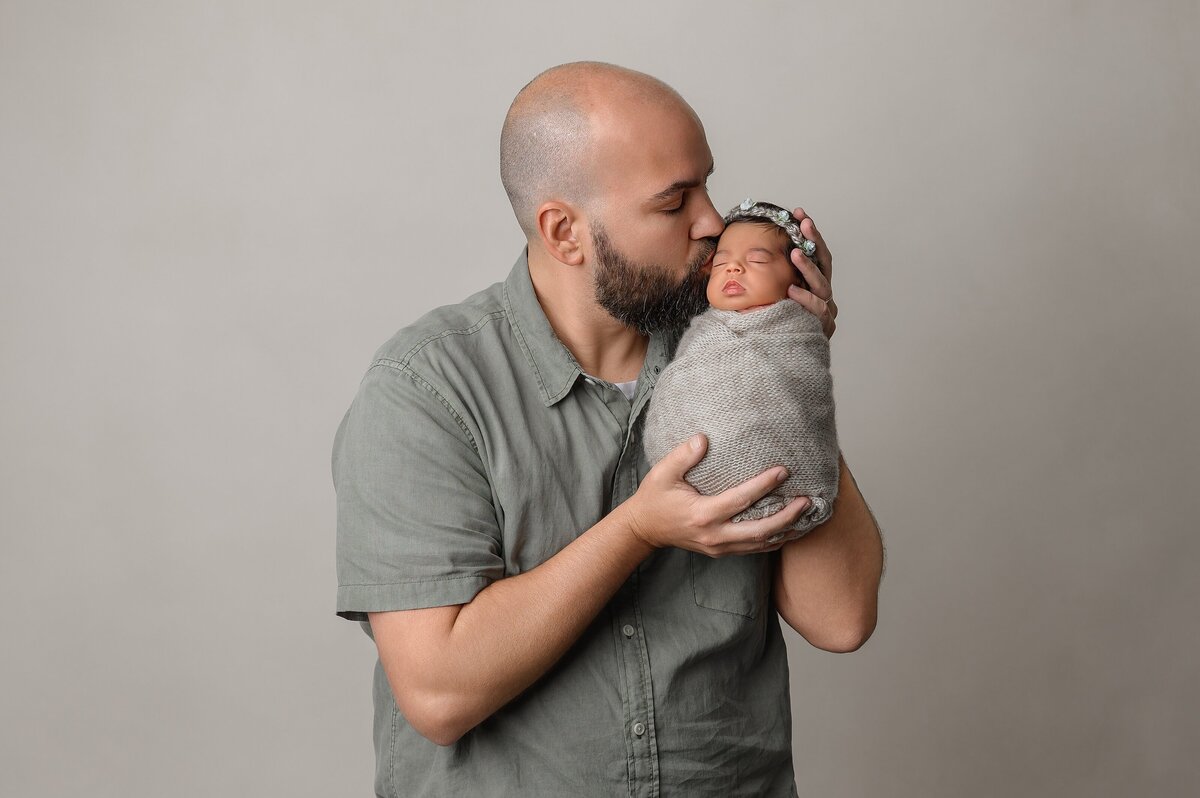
(710, 224)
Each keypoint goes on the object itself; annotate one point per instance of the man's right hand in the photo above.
(667, 511)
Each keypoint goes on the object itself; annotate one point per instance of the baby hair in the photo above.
(770, 213)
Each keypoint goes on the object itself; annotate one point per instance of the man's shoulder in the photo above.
(445, 328)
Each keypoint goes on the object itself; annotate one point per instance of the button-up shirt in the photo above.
(476, 449)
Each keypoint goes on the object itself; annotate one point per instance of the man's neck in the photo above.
(603, 346)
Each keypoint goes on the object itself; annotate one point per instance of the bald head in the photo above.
(547, 145)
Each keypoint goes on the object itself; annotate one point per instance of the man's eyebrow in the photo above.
(682, 185)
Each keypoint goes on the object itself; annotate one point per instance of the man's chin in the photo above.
(640, 296)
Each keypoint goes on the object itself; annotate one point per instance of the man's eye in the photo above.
(674, 210)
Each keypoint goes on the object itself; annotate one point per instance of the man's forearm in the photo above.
(452, 667)
(827, 582)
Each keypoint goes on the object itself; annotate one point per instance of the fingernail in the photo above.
(781, 475)
(695, 442)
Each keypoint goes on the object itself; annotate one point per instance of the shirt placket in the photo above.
(638, 699)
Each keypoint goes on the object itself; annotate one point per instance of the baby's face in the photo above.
(750, 269)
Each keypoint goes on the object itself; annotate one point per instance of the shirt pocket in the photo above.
(736, 584)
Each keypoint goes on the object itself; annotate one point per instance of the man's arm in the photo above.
(827, 582)
(451, 667)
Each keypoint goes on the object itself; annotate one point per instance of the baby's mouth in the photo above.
(733, 287)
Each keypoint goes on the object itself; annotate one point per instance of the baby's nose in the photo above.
(733, 266)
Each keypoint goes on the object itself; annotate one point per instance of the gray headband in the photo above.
(750, 211)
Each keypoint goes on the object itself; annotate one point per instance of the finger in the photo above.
(816, 280)
(765, 534)
(684, 457)
(808, 228)
(732, 501)
(782, 524)
(809, 301)
(822, 309)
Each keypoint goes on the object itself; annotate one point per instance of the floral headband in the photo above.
(750, 210)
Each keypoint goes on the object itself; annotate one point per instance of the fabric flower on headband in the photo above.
(749, 209)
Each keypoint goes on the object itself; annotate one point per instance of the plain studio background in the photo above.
(213, 213)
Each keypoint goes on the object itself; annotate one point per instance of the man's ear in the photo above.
(556, 222)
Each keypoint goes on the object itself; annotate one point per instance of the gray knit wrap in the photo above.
(758, 385)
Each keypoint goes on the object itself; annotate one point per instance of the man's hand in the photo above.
(817, 272)
(667, 511)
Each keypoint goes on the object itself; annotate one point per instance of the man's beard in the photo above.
(643, 296)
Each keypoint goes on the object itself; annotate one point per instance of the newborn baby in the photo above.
(752, 373)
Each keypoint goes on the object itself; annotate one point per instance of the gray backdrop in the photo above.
(212, 213)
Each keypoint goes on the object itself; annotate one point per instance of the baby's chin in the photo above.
(742, 307)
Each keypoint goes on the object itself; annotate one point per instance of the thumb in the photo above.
(687, 454)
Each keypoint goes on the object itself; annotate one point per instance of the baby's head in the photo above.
(752, 267)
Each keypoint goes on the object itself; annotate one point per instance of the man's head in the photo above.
(606, 171)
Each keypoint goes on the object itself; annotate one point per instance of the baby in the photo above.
(752, 373)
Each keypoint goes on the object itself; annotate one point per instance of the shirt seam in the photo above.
(411, 581)
(421, 344)
(407, 370)
(392, 754)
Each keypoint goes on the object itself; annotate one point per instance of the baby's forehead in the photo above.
(762, 233)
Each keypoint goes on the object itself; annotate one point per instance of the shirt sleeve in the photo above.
(416, 526)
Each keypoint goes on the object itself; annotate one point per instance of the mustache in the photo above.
(708, 247)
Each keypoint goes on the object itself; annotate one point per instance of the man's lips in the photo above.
(732, 288)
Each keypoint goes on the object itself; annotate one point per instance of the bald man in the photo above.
(552, 616)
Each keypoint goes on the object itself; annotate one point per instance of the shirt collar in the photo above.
(554, 367)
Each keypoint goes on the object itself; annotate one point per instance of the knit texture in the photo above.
(758, 385)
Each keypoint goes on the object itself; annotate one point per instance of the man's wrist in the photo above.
(625, 523)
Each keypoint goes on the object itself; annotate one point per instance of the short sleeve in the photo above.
(415, 522)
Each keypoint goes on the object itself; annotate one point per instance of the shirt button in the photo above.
(628, 630)
(639, 728)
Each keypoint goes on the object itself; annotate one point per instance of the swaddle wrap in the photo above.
(758, 385)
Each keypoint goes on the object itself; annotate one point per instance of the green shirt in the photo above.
(476, 449)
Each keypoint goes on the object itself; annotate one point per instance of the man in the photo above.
(552, 617)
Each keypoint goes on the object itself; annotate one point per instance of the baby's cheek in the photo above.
(713, 292)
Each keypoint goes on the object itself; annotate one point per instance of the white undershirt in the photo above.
(627, 388)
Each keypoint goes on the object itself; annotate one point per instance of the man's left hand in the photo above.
(817, 272)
